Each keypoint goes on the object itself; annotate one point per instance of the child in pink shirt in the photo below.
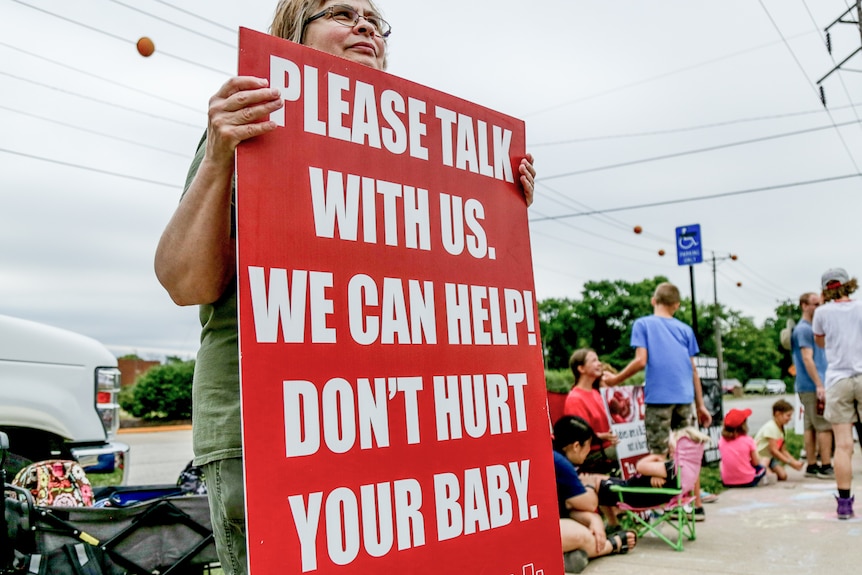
(740, 464)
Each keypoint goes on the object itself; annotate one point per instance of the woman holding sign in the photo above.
(196, 256)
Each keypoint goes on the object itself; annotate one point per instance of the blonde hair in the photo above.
(666, 294)
(843, 290)
(288, 22)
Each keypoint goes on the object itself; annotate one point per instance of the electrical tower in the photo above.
(845, 18)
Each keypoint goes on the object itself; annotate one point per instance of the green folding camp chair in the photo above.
(650, 519)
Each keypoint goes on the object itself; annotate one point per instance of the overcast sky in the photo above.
(626, 103)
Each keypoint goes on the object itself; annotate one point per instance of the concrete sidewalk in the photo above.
(787, 528)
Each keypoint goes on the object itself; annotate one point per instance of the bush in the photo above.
(163, 393)
(559, 380)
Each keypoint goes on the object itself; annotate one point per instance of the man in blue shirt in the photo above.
(810, 363)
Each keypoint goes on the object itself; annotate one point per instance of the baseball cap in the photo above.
(834, 278)
(736, 417)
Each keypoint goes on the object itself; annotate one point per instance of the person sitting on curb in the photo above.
(740, 463)
(581, 529)
(771, 445)
(584, 400)
(653, 470)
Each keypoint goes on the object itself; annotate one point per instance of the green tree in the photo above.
(603, 319)
(163, 392)
(749, 351)
(609, 309)
(561, 329)
(787, 309)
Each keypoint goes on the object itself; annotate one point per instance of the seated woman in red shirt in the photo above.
(584, 400)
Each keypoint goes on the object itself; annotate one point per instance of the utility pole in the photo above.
(716, 322)
(841, 20)
(693, 302)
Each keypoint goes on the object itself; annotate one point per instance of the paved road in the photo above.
(760, 406)
(157, 457)
(787, 528)
(783, 528)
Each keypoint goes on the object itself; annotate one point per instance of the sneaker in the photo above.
(813, 470)
(845, 507)
(708, 497)
(575, 561)
(826, 472)
(697, 514)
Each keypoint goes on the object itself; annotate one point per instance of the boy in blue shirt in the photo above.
(666, 347)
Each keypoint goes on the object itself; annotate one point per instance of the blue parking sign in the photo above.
(689, 248)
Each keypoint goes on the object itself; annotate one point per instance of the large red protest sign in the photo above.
(392, 386)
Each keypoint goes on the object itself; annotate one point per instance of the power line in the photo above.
(801, 69)
(120, 38)
(654, 78)
(732, 283)
(840, 77)
(698, 151)
(98, 101)
(751, 275)
(591, 249)
(198, 16)
(699, 198)
(606, 238)
(102, 78)
(94, 132)
(174, 24)
(90, 169)
(690, 128)
(604, 218)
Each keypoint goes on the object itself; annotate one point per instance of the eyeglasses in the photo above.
(347, 16)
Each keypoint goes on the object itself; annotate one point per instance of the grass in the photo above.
(106, 479)
(710, 476)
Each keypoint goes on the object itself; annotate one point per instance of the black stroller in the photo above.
(164, 533)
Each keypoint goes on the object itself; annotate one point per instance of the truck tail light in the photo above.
(107, 390)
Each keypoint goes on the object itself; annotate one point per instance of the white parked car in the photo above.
(730, 385)
(757, 385)
(776, 386)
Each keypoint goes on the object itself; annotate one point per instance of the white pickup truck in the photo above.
(58, 397)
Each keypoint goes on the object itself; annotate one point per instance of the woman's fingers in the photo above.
(528, 178)
(239, 111)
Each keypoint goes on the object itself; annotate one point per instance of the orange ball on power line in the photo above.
(146, 47)
(638, 229)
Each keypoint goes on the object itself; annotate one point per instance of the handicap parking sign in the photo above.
(688, 245)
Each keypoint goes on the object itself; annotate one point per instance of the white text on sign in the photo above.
(379, 121)
(340, 415)
(387, 516)
(387, 311)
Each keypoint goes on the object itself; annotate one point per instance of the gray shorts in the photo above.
(660, 419)
(811, 420)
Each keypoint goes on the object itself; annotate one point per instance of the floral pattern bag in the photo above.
(56, 483)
